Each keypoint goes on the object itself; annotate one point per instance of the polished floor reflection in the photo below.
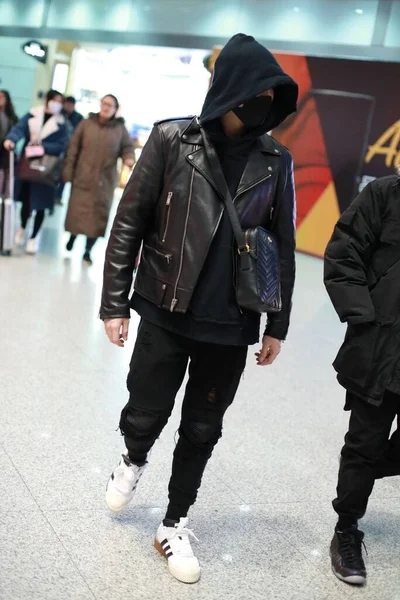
(263, 516)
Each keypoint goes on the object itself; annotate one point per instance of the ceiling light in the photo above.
(359, 11)
(296, 9)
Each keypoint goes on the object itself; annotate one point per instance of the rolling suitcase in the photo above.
(7, 209)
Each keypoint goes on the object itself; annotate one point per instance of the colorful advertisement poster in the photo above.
(345, 133)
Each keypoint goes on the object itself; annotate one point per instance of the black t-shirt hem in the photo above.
(240, 334)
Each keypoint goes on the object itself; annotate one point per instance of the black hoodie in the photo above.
(243, 70)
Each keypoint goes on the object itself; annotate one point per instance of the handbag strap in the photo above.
(243, 247)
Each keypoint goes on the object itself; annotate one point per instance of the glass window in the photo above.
(21, 13)
(393, 32)
(111, 15)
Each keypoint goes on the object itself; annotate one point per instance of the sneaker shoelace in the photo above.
(351, 549)
(184, 534)
(124, 477)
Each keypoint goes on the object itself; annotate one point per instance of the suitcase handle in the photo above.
(11, 174)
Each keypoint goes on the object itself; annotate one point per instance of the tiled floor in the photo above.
(263, 515)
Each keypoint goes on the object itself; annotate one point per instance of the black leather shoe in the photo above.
(346, 556)
(70, 243)
(87, 258)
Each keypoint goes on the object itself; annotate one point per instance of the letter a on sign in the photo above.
(387, 145)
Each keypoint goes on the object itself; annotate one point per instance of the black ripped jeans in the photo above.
(157, 370)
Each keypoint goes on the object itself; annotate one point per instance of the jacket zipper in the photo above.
(175, 299)
(168, 212)
(167, 257)
(252, 186)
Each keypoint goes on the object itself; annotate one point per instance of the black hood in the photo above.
(243, 70)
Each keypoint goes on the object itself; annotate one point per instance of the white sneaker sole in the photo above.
(179, 575)
(352, 579)
(116, 507)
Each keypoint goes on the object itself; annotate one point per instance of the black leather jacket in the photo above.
(173, 206)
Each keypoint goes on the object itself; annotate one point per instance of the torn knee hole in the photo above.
(140, 424)
(203, 432)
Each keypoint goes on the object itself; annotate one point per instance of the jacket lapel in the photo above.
(258, 168)
(35, 123)
(51, 126)
(39, 131)
(199, 160)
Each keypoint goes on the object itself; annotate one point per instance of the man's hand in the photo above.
(117, 331)
(271, 348)
(9, 145)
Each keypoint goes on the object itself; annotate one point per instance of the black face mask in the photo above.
(254, 112)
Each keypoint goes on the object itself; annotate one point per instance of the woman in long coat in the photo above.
(44, 127)
(8, 119)
(91, 166)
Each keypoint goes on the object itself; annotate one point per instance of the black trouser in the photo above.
(26, 211)
(368, 454)
(90, 242)
(157, 370)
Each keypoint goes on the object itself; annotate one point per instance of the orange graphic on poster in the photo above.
(302, 133)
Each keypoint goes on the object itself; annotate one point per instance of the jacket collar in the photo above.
(36, 128)
(192, 135)
(258, 168)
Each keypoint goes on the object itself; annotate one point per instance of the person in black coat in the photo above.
(185, 289)
(362, 275)
(73, 118)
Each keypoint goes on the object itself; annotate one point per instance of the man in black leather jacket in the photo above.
(185, 286)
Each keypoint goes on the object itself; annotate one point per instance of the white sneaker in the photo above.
(121, 486)
(32, 246)
(20, 237)
(174, 544)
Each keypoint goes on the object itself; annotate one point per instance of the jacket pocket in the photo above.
(155, 262)
(167, 216)
(356, 358)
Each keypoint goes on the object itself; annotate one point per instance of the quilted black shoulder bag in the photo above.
(258, 283)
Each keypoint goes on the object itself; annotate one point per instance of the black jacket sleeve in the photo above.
(135, 213)
(348, 256)
(285, 230)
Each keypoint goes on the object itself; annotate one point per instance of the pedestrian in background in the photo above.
(8, 119)
(45, 127)
(70, 112)
(91, 167)
(74, 118)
